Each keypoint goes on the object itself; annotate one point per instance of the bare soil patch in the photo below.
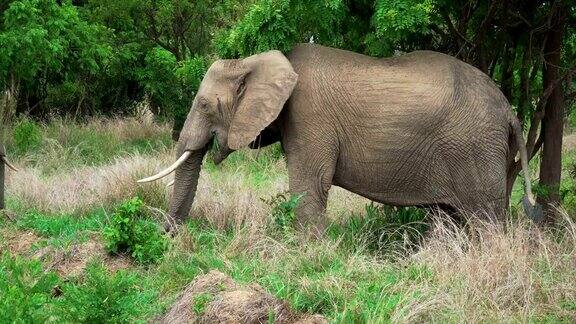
(18, 242)
(216, 298)
(66, 261)
(72, 260)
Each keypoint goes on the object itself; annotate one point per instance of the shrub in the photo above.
(381, 227)
(129, 231)
(283, 211)
(25, 290)
(104, 298)
(27, 136)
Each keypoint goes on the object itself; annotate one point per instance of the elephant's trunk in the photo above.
(185, 183)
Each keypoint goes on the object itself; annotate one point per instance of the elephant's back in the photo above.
(411, 94)
(337, 64)
(416, 79)
(418, 73)
(342, 86)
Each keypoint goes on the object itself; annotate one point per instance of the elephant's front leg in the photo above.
(311, 175)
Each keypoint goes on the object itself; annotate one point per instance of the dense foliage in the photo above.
(25, 290)
(99, 56)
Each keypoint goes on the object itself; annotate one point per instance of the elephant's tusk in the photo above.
(169, 170)
(9, 164)
(171, 183)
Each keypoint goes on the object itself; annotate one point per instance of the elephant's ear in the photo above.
(268, 85)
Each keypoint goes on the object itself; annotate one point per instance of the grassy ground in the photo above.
(375, 264)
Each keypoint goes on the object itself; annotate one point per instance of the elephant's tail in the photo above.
(531, 207)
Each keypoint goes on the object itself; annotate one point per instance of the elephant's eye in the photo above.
(219, 106)
(203, 104)
(241, 87)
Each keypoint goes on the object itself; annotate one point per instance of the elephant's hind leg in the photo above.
(480, 191)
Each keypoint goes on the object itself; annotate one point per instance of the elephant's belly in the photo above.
(394, 180)
(382, 193)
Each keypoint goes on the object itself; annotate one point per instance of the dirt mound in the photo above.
(216, 298)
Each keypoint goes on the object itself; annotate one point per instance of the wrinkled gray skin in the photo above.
(422, 129)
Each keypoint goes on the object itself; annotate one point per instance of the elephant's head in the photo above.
(236, 100)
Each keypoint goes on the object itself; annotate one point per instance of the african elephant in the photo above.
(421, 129)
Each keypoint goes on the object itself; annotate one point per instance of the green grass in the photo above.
(60, 225)
(104, 297)
(314, 280)
(59, 230)
(32, 295)
(25, 289)
(333, 277)
(380, 264)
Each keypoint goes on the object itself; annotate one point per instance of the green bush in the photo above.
(283, 211)
(381, 227)
(130, 231)
(25, 290)
(27, 136)
(104, 298)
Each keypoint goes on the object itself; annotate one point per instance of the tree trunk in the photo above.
(552, 123)
(2, 173)
(8, 102)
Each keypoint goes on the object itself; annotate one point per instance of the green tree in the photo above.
(172, 83)
(42, 42)
(163, 40)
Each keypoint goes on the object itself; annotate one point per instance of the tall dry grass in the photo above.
(481, 273)
(490, 273)
(224, 196)
(87, 188)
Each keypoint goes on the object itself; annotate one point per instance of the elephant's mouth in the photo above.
(256, 143)
(218, 158)
(220, 152)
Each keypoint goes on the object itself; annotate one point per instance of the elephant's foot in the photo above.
(314, 228)
(172, 226)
